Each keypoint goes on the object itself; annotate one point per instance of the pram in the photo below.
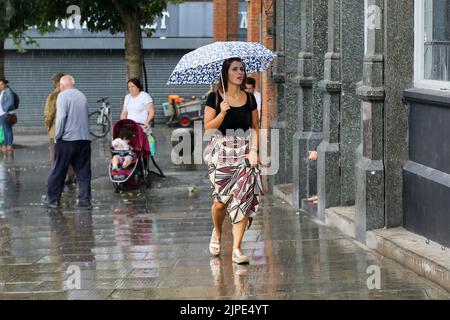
(137, 173)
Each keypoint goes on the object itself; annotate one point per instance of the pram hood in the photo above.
(139, 142)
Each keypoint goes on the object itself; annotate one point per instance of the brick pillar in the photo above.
(226, 20)
(269, 91)
(233, 20)
(220, 20)
(253, 31)
(255, 10)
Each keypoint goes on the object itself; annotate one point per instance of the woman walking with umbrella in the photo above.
(234, 159)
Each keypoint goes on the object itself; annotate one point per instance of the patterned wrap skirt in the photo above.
(233, 181)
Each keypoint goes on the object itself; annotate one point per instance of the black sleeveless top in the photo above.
(237, 117)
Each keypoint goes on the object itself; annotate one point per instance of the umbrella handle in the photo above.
(223, 87)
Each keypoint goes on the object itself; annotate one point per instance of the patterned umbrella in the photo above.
(204, 65)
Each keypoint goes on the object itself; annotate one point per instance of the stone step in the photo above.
(342, 218)
(429, 259)
(283, 192)
(309, 207)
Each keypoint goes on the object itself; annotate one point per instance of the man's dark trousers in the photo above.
(77, 154)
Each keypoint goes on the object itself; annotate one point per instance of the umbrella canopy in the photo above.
(204, 65)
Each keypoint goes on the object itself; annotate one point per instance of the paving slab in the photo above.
(153, 243)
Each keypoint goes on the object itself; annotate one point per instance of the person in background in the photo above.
(73, 145)
(313, 156)
(7, 103)
(250, 87)
(50, 124)
(138, 105)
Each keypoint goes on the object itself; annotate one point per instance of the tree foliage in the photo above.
(109, 15)
(115, 16)
(19, 16)
(100, 15)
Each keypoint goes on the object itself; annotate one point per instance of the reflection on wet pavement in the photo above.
(153, 243)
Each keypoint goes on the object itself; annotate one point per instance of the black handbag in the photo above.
(11, 118)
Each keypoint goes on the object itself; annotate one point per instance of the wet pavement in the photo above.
(153, 243)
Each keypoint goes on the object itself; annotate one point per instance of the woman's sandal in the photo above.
(239, 258)
(214, 245)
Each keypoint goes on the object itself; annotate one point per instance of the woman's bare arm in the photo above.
(124, 113)
(151, 115)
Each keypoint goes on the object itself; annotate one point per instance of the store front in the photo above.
(427, 173)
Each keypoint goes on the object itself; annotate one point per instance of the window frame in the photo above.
(419, 58)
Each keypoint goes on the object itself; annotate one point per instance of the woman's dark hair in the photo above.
(225, 68)
(136, 82)
(126, 133)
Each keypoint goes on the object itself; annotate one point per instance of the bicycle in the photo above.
(100, 120)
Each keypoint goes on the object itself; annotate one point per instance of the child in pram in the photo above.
(125, 154)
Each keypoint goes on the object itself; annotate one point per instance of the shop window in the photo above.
(432, 44)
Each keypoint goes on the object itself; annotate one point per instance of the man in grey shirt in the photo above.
(73, 145)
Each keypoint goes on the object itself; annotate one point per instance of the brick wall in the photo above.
(256, 10)
(226, 20)
(253, 31)
(269, 88)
